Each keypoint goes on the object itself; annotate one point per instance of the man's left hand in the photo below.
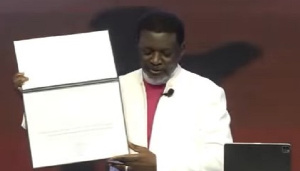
(144, 160)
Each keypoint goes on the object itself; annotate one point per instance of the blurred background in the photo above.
(249, 47)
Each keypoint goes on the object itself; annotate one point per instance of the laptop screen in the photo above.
(257, 157)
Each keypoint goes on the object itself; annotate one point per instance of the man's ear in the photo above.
(182, 50)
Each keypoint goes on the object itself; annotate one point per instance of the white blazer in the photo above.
(189, 128)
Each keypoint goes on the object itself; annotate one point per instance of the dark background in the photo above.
(249, 47)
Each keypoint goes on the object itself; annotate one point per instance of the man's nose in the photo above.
(156, 58)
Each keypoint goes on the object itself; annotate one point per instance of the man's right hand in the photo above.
(19, 79)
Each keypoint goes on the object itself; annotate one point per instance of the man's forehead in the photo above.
(154, 34)
(157, 37)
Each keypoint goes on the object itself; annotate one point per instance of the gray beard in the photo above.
(160, 80)
(156, 81)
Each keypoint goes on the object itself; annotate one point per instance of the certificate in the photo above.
(73, 105)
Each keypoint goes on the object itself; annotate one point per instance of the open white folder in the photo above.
(73, 104)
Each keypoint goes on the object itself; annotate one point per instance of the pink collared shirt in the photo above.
(153, 93)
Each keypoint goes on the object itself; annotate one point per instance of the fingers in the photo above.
(19, 74)
(124, 158)
(137, 148)
(19, 79)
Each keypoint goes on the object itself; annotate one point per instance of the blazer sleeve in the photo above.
(23, 124)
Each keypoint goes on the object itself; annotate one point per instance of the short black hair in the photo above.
(159, 21)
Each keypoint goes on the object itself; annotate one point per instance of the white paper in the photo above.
(65, 59)
(75, 124)
(71, 124)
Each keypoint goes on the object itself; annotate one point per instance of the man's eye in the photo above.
(147, 52)
(167, 54)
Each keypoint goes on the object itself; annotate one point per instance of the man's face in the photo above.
(160, 53)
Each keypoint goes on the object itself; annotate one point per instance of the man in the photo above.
(176, 120)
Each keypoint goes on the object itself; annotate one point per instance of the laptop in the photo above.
(257, 157)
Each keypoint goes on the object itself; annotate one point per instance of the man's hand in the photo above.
(145, 160)
(19, 79)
